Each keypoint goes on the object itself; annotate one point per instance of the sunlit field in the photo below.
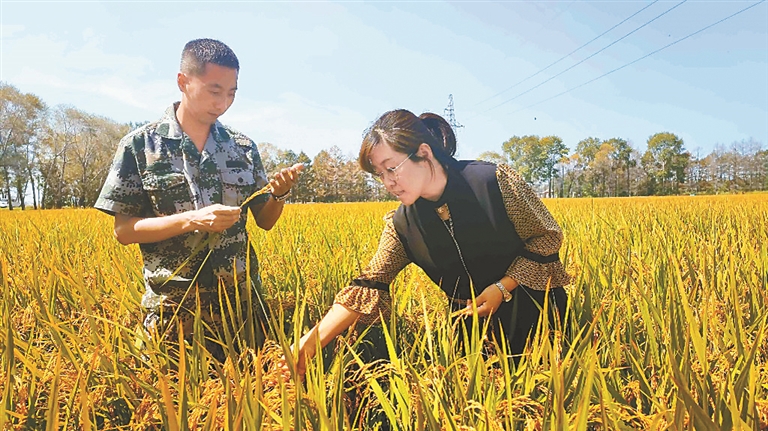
(669, 309)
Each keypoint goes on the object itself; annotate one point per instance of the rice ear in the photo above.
(212, 237)
(264, 190)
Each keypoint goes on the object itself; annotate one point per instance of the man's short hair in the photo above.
(199, 52)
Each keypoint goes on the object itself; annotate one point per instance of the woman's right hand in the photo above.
(335, 321)
(305, 352)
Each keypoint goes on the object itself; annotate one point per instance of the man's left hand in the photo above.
(285, 179)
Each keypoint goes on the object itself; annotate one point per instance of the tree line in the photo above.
(329, 177)
(60, 156)
(613, 167)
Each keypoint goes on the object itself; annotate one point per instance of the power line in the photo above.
(569, 54)
(544, 24)
(638, 59)
(582, 61)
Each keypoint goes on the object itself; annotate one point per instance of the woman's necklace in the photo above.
(445, 216)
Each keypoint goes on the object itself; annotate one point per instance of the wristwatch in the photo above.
(507, 295)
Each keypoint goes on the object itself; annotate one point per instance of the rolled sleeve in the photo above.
(369, 293)
(540, 264)
(123, 190)
(369, 302)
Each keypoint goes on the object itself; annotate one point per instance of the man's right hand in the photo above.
(143, 230)
(214, 218)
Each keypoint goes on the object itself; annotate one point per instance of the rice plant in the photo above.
(668, 330)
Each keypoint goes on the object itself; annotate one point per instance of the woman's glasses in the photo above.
(390, 173)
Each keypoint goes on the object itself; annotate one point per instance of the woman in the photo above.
(467, 224)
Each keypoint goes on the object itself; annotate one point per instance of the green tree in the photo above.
(74, 156)
(328, 168)
(135, 125)
(666, 161)
(762, 161)
(270, 157)
(303, 191)
(91, 154)
(357, 185)
(569, 175)
(554, 151)
(21, 116)
(534, 158)
(55, 156)
(603, 166)
(493, 157)
(526, 156)
(622, 155)
(586, 151)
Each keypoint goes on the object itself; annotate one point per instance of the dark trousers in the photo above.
(246, 322)
(518, 319)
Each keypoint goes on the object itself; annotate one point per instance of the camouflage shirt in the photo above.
(158, 171)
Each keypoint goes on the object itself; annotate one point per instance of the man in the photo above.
(175, 182)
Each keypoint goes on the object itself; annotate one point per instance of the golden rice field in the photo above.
(669, 310)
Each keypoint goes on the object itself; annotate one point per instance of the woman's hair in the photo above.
(405, 132)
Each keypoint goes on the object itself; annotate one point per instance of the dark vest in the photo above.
(487, 238)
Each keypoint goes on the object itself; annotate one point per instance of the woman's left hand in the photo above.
(487, 302)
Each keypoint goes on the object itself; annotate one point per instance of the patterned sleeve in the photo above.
(369, 293)
(123, 191)
(540, 264)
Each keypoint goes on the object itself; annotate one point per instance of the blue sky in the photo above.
(317, 74)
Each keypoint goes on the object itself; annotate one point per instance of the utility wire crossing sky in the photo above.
(314, 75)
